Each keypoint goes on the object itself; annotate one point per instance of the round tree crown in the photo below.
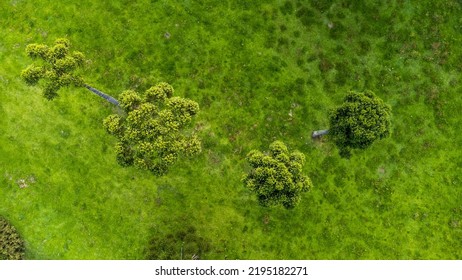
(277, 177)
(359, 121)
(153, 133)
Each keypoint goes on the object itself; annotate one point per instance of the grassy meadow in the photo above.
(260, 71)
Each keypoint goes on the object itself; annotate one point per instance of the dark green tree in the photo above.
(362, 119)
(277, 177)
(57, 69)
(154, 133)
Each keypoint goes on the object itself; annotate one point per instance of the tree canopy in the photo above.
(57, 69)
(11, 243)
(153, 133)
(276, 177)
(359, 121)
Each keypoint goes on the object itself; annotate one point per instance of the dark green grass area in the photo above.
(261, 71)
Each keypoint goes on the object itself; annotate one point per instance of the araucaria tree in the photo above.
(57, 69)
(362, 119)
(153, 131)
(153, 134)
(277, 177)
(11, 243)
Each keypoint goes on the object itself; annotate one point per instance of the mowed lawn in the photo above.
(260, 71)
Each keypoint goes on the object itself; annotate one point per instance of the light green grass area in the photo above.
(260, 71)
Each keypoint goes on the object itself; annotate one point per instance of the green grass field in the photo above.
(261, 71)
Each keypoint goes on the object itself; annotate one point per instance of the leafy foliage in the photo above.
(11, 244)
(359, 121)
(56, 71)
(152, 135)
(409, 53)
(277, 177)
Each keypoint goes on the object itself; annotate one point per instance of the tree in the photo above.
(153, 135)
(153, 131)
(362, 119)
(57, 70)
(276, 177)
(11, 243)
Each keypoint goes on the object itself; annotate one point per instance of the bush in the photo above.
(11, 244)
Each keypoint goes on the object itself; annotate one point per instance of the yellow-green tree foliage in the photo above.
(359, 121)
(154, 132)
(56, 68)
(11, 244)
(277, 177)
